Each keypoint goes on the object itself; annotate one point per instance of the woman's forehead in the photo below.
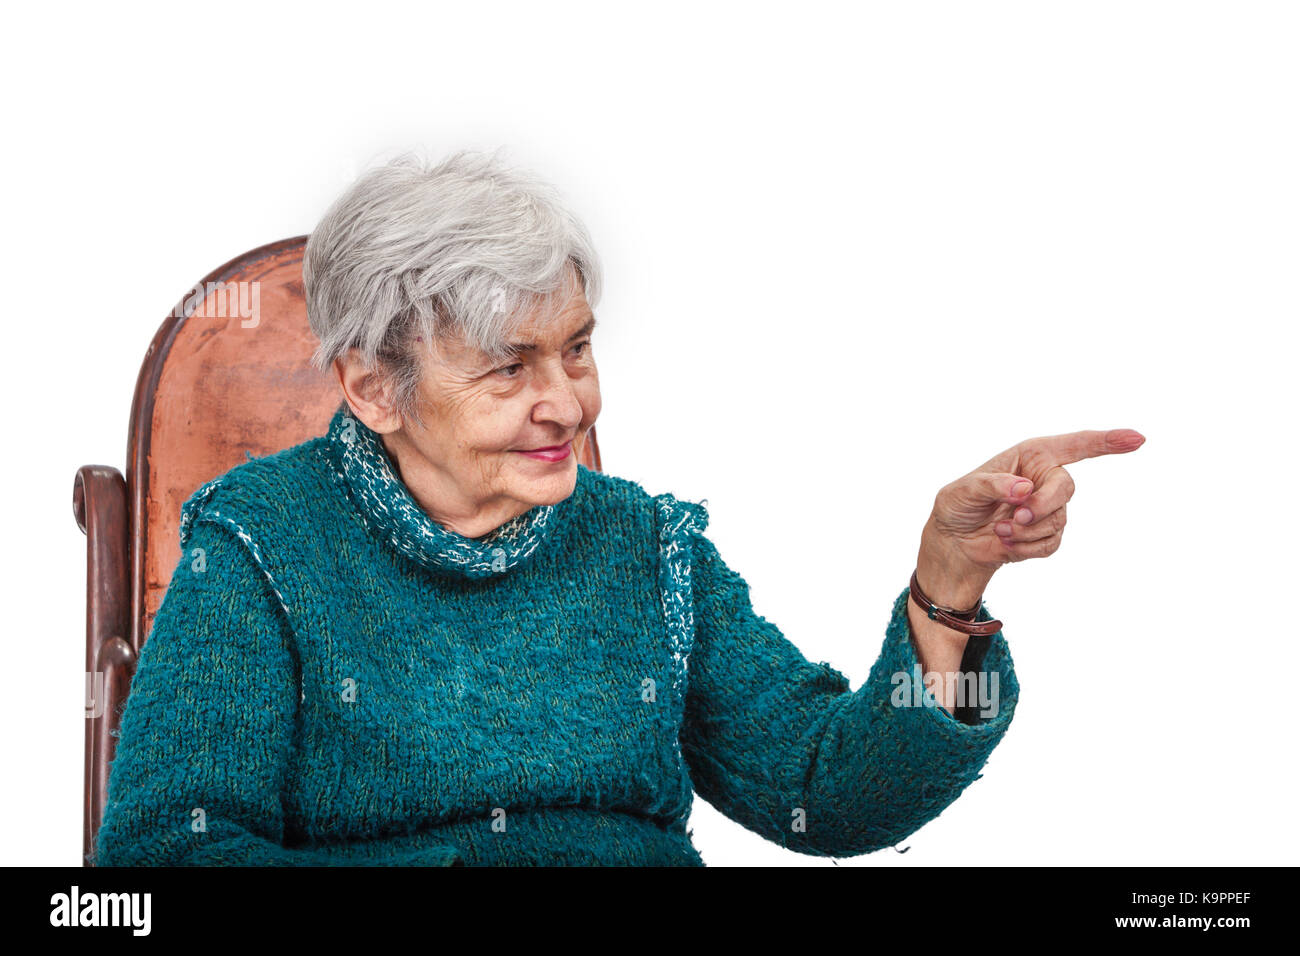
(577, 317)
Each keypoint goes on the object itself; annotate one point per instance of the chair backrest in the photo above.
(228, 375)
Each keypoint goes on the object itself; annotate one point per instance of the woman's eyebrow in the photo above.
(587, 327)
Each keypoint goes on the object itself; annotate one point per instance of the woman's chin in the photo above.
(545, 483)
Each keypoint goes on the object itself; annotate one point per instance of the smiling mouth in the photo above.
(554, 454)
(559, 447)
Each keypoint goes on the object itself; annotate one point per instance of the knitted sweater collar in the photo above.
(387, 506)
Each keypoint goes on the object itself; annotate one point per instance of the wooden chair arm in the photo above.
(99, 504)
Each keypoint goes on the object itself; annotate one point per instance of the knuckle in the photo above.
(943, 495)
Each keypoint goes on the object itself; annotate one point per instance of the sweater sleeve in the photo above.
(782, 746)
(207, 731)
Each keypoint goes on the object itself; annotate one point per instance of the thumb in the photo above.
(997, 487)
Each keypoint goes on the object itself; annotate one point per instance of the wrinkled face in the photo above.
(501, 438)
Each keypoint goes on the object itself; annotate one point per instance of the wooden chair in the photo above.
(227, 374)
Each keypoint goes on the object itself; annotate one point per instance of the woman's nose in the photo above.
(559, 401)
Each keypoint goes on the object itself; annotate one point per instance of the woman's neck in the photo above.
(441, 500)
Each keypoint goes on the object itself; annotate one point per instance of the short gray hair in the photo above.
(460, 249)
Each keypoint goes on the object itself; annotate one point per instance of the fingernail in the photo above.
(1024, 515)
(1022, 488)
(1003, 528)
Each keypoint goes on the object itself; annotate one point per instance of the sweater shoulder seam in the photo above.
(224, 501)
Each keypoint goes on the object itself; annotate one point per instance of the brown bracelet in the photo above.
(963, 621)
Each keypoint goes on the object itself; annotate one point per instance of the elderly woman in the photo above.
(430, 636)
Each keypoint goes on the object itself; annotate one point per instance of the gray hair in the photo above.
(463, 249)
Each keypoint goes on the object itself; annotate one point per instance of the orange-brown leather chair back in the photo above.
(228, 375)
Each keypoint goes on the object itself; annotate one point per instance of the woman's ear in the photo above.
(367, 394)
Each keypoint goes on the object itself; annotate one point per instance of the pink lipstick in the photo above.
(553, 453)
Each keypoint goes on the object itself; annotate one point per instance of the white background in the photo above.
(851, 253)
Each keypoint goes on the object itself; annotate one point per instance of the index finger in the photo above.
(1076, 446)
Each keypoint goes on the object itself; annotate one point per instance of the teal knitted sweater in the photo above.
(333, 678)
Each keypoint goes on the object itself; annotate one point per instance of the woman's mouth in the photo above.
(552, 453)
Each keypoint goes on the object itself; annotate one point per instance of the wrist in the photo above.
(947, 578)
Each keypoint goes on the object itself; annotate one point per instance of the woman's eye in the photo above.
(506, 370)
